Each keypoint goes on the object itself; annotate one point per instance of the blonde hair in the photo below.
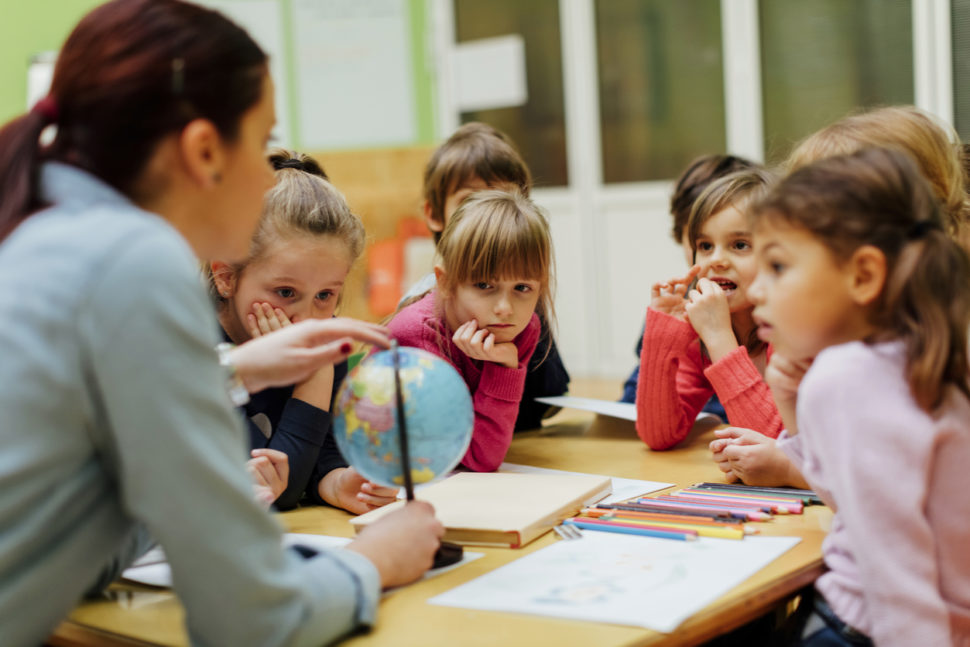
(738, 189)
(933, 144)
(475, 150)
(498, 235)
(302, 202)
(878, 197)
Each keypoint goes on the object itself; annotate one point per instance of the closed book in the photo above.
(499, 509)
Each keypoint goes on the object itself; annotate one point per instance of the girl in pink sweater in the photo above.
(699, 339)
(856, 271)
(495, 256)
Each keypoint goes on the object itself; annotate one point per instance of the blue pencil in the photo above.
(625, 530)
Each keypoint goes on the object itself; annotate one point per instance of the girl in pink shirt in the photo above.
(699, 339)
(495, 256)
(857, 277)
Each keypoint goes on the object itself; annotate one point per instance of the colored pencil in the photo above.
(722, 532)
(664, 518)
(641, 507)
(747, 514)
(807, 496)
(777, 506)
(753, 496)
(722, 502)
(627, 529)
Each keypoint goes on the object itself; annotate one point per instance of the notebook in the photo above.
(499, 509)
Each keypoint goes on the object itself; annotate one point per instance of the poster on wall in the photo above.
(352, 60)
(263, 20)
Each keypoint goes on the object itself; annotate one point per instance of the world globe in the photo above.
(437, 408)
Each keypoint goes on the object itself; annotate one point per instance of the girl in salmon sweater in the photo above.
(493, 271)
(699, 338)
(856, 270)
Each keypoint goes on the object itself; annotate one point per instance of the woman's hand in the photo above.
(264, 319)
(669, 298)
(345, 488)
(709, 314)
(294, 353)
(270, 471)
(480, 344)
(401, 545)
(753, 458)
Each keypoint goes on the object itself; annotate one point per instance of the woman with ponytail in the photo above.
(856, 270)
(118, 429)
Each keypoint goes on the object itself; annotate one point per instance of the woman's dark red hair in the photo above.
(131, 72)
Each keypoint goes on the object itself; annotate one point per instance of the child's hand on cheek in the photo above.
(480, 344)
(264, 319)
(709, 314)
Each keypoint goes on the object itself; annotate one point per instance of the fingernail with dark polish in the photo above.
(345, 348)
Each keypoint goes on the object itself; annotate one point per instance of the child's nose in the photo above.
(756, 292)
(503, 305)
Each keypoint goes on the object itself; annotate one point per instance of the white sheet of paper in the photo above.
(152, 569)
(619, 579)
(624, 410)
(623, 489)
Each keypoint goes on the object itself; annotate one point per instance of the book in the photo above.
(501, 509)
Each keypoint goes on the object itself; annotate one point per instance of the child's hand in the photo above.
(345, 488)
(748, 456)
(265, 319)
(270, 471)
(708, 312)
(669, 298)
(783, 375)
(480, 344)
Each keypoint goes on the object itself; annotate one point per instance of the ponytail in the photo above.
(19, 164)
(927, 305)
(877, 197)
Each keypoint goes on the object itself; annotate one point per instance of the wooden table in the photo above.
(135, 615)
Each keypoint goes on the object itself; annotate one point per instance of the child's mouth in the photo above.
(726, 285)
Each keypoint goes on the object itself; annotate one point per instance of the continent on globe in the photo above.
(437, 407)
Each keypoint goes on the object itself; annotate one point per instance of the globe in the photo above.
(437, 407)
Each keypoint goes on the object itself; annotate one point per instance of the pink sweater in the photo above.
(496, 390)
(676, 380)
(897, 479)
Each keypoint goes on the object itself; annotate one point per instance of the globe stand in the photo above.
(448, 553)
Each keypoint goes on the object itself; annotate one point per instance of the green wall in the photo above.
(28, 27)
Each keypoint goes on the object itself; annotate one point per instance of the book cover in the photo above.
(500, 509)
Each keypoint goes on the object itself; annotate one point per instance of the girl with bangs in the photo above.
(699, 337)
(494, 266)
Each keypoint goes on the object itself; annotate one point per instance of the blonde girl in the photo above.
(304, 246)
(857, 271)
(493, 276)
(699, 339)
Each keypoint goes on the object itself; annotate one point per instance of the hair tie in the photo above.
(46, 108)
(922, 227)
(290, 163)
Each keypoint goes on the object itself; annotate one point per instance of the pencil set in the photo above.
(703, 510)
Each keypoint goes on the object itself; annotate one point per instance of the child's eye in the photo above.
(704, 246)
(286, 293)
(776, 267)
(326, 294)
(483, 285)
(742, 245)
(523, 287)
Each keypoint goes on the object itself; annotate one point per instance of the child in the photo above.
(304, 246)
(493, 277)
(117, 425)
(856, 271)
(689, 186)
(935, 148)
(678, 372)
(478, 156)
